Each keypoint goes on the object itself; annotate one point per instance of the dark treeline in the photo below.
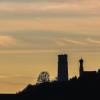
(81, 88)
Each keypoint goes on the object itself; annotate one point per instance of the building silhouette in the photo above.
(81, 69)
(86, 74)
(62, 67)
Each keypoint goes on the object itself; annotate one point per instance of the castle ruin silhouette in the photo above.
(87, 85)
(63, 69)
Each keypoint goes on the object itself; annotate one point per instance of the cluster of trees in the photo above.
(43, 77)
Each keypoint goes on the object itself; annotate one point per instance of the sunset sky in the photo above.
(34, 32)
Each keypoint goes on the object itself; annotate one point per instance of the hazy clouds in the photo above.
(47, 8)
(6, 41)
(34, 32)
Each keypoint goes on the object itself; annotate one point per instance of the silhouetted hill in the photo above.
(81, 88)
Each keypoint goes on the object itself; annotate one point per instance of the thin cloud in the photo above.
(66, 42)
(19, 1)
(74, 42)
(77, 7)
(3, 76)
(6, 40)
(84, 42)
(27, 51)
(93, 41)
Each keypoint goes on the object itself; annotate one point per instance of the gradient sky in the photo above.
(34, 32)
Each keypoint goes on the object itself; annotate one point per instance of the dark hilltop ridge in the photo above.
(86, 86)
(74, 88)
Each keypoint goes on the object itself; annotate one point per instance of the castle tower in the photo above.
(62, 68)
(81, 69)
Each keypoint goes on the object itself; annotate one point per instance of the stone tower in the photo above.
(81, 68)
(62, 67)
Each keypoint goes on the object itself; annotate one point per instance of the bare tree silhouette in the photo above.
(43, 77)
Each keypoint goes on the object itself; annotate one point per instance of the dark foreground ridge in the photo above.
(86, 86)
(81, 88)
